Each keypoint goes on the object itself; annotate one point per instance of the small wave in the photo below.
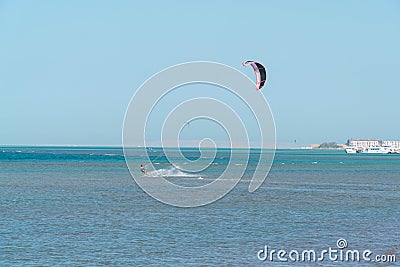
(172, 172)
(238, 164)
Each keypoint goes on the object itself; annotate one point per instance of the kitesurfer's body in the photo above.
(143, 169)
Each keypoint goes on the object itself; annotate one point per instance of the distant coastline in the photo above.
(68, 146)
(357, 144)
(331, 145)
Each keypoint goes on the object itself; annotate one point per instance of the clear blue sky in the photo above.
(69, 68)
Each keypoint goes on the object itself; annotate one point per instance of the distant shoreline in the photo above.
(121, 147)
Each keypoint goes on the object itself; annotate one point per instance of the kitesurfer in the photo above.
(143, 169)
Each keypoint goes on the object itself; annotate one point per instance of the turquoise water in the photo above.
(80, 207)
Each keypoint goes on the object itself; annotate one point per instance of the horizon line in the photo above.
(121, 146)
(158, 147)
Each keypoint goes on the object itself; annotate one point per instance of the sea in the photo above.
(80, 206)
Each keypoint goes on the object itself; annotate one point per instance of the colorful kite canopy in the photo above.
(260, 71)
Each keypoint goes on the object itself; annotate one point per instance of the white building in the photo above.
(364, 143)
(395, 144)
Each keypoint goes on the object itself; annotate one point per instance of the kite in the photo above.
(260, 71)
